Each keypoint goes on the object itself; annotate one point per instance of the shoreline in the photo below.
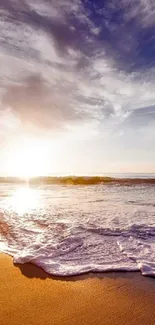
(29, 296)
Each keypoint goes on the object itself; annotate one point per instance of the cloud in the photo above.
(141, 117)
(66, 64)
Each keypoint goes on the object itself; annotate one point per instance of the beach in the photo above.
(29, 296)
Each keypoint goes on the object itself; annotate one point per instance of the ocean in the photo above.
(73, 229)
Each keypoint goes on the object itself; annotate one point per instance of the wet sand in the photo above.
(28, 296)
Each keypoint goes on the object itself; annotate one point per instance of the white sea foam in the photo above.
(69, 230)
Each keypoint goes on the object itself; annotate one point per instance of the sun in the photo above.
(28, 158)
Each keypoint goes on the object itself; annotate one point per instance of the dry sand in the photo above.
(28, 296)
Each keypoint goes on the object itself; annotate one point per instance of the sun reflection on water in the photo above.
(24, 199)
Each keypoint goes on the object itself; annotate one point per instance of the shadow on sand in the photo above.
(31, 271)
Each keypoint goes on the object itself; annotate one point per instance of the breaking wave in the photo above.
(78, 230)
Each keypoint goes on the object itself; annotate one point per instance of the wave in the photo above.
(66, 250)
(79, 180)
(73, 231)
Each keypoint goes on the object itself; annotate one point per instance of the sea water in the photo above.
(73, 229)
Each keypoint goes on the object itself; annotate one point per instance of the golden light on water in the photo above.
(24, 199)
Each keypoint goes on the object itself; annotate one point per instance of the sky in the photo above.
(77, 86)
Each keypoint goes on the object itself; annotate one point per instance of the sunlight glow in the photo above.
(24, 199)
(28, 158)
